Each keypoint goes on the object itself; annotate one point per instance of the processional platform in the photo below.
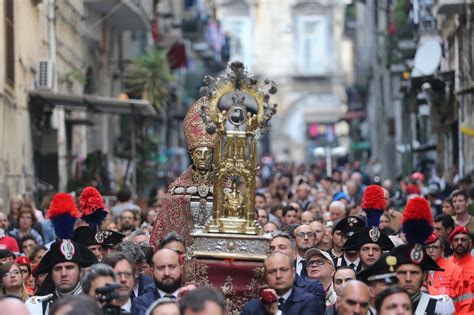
(228, 252)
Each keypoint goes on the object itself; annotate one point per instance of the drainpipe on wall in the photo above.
(59, 112)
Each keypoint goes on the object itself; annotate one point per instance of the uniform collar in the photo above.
(462, 260)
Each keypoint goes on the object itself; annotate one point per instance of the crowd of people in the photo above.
(348, 243)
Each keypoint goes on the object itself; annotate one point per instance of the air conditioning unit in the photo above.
(44, 75)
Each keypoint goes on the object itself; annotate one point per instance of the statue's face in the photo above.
(202, 158)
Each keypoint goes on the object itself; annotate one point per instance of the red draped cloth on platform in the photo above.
(240, 281)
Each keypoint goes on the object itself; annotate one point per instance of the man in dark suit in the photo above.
(281, 294)
(142, 281)
(167, 275)
(281, 243)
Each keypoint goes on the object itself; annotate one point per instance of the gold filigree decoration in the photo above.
(228, 285)
(197, 272)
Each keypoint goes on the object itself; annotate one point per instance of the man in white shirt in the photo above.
(305, 237)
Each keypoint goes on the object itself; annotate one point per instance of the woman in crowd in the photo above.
(150, 217)
(384, 221)
(12, 281)
(26, 219)
(36, 254)
(16, 202)
(447, 206)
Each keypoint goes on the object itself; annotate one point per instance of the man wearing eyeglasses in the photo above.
(320, 266)
(281, 243)
(450, 281)
(124, 269)
(305, 237)
(461, 244)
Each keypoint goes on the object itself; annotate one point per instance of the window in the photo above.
(313, 35)
(239, 29)
(9, 44)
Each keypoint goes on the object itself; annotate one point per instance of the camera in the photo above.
(105, 295)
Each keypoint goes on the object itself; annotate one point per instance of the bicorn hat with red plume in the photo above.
(92, 206)
(63, 214)
(417, 224)
(417, 221)
(374, 204)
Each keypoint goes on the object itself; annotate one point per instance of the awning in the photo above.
(94, 103)
(358, 114)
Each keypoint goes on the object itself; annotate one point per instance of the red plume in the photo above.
(417, 209)
(62, 203)
(374, 198)
(90, 201)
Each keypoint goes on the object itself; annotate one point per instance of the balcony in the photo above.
(122, 15)
(450, 7)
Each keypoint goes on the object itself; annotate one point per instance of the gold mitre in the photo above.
(195, 132)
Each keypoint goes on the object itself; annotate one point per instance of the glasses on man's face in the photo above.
(304, 234)
(12, 273)
(316, 262)
(432, 247)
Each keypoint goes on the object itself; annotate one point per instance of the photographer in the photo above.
(97, 276)
(100, 283)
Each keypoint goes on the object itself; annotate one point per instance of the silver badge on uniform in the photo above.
(67, 249)
(101, 236)
(374, 234)
(416, 254)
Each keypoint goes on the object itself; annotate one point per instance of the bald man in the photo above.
(354, 299)
(167, 275)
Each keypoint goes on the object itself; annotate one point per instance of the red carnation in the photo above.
(90, 201)
(374, 198)
(62, 203)
(417, 209)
